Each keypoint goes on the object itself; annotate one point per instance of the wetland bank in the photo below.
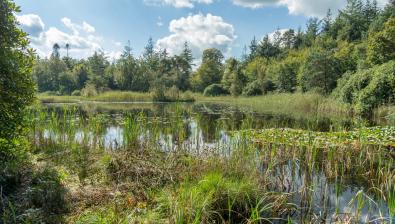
(211, 163)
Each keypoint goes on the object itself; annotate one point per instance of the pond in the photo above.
(203, 129)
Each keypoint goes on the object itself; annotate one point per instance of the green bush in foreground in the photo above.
(16, 84)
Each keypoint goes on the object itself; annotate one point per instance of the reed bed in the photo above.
(287, 103)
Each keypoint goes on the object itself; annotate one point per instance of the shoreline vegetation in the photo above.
(286, 103)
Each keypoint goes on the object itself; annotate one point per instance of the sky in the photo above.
(108, 25)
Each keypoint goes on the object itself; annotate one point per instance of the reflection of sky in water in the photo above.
(317, 193)
(288, 178)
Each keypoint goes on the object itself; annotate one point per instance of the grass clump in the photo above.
(119, 96)
(216, 198)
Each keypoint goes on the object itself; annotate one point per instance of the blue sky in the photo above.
(90, 25)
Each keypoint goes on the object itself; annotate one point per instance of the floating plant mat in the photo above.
(378, 136)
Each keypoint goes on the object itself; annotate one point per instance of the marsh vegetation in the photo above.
(207, 163)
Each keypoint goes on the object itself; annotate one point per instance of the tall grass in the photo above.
(296, 103)
(120, 96)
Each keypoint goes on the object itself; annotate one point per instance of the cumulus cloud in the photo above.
(177, 3)
(201, 32)
(316, 8)
(82, 38)
(32, 24)
(76, 28)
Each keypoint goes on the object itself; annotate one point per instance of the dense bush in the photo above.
(215, 90)
(253, 89)
(382, 44)
(16, 93)
(158, 94)
(46, 194)
(369, 88)
(89, 90)
(268, 86)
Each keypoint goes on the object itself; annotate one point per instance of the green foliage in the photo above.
(233, 80)
(268, 49)
(210, 71)
(47, 193)
(16, 89)
(253, 89)
(320, 72)
(256, 69)
(381, 45)
(89, 90)
(67, 83)
(312, 59)
(367, 89)
(267, 86)
(285, 75)
(215, 90)
(214, 199)
(81, 73)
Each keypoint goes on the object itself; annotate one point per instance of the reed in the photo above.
(150, 167)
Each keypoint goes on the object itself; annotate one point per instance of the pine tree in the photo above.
(253, 48)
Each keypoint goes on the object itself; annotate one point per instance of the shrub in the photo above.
(187, 96)
(158, 94)
(89, 90)
(253, 89)
(367, 89)
(47, 192)
(268, 86)
(76, 93)
(173, 94)
(215, 90)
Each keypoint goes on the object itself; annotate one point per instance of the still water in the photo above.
(207, 126)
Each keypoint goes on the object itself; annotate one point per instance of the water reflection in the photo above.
(202, 128)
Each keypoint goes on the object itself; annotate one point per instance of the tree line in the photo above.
(320, 58)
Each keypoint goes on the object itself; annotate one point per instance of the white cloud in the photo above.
(316, 8)
(276, 34)
(81, 37)
(201, 32)
(88, 28)
(255, 3)
(177, 3)
(76, 28)
(32, 24)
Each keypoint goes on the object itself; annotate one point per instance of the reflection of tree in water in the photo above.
(208, 124)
